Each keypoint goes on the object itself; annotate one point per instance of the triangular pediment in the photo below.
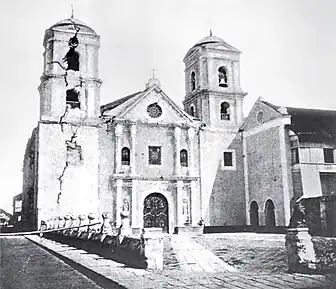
(151, 105)
(260, 113)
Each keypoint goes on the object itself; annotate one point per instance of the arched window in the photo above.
(192, 110)
(222, 77)
(125, 156)
(193, 81)
(225, 111)
(184, 158)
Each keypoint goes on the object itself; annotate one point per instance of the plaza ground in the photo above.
(35, 262)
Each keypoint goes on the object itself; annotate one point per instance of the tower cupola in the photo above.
(212, 83)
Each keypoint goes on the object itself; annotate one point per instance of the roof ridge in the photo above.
(117, 102)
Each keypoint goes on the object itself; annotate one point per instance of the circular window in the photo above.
(260, 116)
(154, 110)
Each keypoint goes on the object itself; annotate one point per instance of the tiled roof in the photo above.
(315, 125)
(118, 102)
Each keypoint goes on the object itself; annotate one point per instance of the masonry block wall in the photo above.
(265, 172)
(227, 203)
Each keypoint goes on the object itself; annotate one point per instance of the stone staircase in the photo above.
(193, 257)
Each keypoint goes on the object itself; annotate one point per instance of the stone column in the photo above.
(191, 135)
(133, 135)
(135, 221)
(179, 202)
(177, 134)
(300, 251)
(119, 184)
(118, 132)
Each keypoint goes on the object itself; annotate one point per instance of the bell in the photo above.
(222, 82)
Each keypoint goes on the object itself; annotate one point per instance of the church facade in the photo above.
(145, 157)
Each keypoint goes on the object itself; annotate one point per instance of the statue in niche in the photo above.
(125, 206)
(185, 209)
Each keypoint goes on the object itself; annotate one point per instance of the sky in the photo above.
(288, 55)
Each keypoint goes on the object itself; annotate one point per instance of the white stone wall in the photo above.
(79, 188)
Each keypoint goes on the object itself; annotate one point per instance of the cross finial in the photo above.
(210, 32)
(72, 11)
(153, 72)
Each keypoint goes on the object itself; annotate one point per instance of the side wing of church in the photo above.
(144, 157)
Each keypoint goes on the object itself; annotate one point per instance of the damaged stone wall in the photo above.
(70, 78)
(68, 170)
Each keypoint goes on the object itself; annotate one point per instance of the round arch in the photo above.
(254, 215)
(168, 197)
(270, 215)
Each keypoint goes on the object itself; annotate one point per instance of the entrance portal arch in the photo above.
(156, 212)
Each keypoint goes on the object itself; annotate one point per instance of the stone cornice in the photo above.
(87, 122)
(130, 177)
(206, 92)
(153, 124)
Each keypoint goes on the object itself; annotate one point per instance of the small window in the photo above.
(193, 81)
(184, 158)
(260, 117)
(125, 156)
(192, 110)
(225, 111)
(228, 159)
(72, 98)
(154, 155)
(328, 156)
(222, 77)
(295, 156)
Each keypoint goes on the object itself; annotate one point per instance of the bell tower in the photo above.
(70, 84)
(212, 83)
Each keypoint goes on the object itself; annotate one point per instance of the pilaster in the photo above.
(191, 135)
(119, 184)
(133, 141)
(177, 134)
(179, 199)
(194, 204)
(135, 213)
(118, 132)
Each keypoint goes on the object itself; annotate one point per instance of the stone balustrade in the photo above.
(143, 252)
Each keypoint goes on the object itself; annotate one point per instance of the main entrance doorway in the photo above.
(155, 212)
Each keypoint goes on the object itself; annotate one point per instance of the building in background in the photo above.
(143, 156)
(17, 210)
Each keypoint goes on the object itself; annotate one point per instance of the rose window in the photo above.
(154, 110)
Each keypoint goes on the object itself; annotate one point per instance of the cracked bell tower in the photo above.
(70, 84)
(67, 139)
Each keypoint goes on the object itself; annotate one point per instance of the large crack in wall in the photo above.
(60, 178)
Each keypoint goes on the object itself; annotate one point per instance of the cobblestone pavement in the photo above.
(250, 252)
(121, 276)
(23, 265)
